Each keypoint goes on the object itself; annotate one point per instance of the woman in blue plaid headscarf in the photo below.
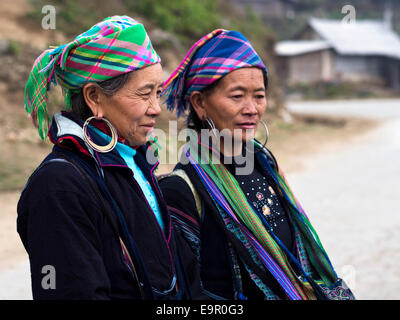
(233, 208)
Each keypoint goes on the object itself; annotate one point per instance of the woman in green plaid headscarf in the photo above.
(115, 46)
(92, 209)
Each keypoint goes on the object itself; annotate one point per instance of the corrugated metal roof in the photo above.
(296, 47)
(363, 37)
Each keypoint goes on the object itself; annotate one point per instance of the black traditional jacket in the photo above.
(65, 222)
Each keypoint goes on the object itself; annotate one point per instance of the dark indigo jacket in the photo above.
(218, 276)
(64, 222)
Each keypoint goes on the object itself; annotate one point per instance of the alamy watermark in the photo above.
(350, 11)
(225, 146)
(49, 20)
(49, 280)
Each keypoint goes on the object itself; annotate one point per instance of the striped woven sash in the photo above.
(226, 191)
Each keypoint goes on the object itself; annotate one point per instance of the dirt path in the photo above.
(11, 249)
(14, 266)
(351, 196)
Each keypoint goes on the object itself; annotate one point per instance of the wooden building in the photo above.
(331, 50)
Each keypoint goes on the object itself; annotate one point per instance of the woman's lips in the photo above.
(149, 126)
(247, 125)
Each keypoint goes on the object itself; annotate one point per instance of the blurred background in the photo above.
(333, 112)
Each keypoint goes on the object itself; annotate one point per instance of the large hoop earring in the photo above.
(95, 147)
(266, 138)
(212, 126)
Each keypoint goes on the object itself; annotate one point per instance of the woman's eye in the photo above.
(238, 96)
(260, 96)
(145, 95)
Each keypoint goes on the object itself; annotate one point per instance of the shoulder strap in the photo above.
(182, 174)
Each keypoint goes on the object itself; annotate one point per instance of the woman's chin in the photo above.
(134, 142)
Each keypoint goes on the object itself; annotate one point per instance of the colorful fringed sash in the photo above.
(226, 191)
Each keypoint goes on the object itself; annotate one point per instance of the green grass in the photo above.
(331, 90)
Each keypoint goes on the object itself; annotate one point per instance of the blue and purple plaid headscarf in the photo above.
(212, 57)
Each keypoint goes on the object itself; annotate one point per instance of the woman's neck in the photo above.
(231, 149)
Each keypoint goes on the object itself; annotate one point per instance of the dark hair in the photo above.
(193, 121)
(109, 87)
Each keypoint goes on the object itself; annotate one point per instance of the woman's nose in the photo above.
(250, 107)
(155, 108)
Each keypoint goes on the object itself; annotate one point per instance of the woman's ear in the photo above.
(198, 104)
(93, 98)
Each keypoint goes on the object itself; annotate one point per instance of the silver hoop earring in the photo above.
(95, 147)
(266, 138)
(212, 126)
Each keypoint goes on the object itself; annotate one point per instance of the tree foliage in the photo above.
(189, 18)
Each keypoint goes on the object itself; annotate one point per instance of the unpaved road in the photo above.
(351, 195)
(350, 192)
(371, 108)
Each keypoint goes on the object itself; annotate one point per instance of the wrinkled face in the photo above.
(237, 102)
(133, 109)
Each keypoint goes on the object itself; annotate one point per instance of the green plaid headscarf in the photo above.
(114, 46)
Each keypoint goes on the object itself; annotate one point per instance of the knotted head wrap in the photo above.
(112, 47)
(213, 56)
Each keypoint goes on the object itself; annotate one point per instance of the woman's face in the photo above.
(133, 108)
(236, 103)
